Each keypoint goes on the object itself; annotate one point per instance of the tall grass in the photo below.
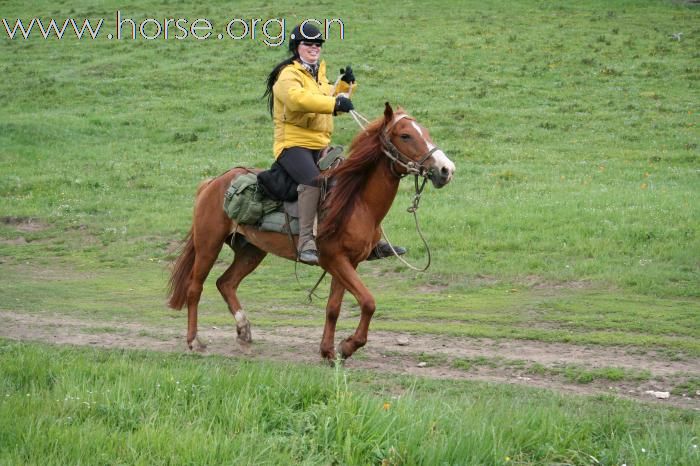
(82, 406)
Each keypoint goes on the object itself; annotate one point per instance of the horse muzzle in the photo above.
(441, 169)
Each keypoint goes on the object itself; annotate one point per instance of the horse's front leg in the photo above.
(346, 274)
(332, 312)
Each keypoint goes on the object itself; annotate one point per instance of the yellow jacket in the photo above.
(303, 108)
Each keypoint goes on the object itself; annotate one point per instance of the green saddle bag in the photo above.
(245, 202)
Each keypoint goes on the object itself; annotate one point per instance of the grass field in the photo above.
(84, 406)
(573, 220)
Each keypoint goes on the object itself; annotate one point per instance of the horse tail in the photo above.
(182, 270)
(180, 276)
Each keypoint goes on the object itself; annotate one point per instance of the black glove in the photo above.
(347, 75)
(342, 104)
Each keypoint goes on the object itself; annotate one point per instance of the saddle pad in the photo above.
(292, 208)
(277, 222)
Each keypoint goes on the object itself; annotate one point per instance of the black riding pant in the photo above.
(300, 164)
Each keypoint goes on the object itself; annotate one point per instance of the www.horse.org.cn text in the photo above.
(272, 32)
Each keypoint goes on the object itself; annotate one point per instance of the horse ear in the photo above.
(388, 112)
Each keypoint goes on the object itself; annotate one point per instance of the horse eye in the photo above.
(405, 137)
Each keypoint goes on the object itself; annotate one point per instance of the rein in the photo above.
(412, 168)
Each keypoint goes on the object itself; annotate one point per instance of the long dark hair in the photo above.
(272, 79)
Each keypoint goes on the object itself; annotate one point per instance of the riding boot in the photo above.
(383, 249)
(308, 204)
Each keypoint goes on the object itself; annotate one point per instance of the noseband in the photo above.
(398, 158)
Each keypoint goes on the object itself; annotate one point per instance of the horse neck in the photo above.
(380, 190)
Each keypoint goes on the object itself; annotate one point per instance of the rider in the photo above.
(302, 103)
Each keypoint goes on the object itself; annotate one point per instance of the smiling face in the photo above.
(310, 52)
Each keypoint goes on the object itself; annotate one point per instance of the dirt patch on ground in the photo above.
(501, 361)
(21, 225)
(24, 224)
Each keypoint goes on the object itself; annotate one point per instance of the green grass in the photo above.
(578, 374)
(88, 406)
(570, 372)
(588, 173)
(690, 387)
(469, 363)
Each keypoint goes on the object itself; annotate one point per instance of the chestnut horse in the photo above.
(349, 227)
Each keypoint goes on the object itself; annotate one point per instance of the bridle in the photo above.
(398, 158)
(410, 166)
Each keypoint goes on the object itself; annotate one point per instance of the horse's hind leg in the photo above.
(247, 258)
(204, 261)
(208, 241)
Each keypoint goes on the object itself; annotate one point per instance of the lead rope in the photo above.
(363, 122)
(413, 209)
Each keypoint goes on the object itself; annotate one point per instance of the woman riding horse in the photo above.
(365, 186)
(302, 103)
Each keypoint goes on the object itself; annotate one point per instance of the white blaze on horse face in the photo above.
(443, 164)
(440, 160)
(417, 127)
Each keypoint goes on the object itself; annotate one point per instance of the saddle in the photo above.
(268, 200)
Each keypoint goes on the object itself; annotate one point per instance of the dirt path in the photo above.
(529, 363)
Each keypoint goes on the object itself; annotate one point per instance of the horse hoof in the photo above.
(199, 345)
(328, 357)
(335, 361)
(244, 334)
(342, 352)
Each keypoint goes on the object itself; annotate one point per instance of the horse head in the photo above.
(410, 146)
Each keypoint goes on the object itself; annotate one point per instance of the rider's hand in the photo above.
(347, 75)
(342, 104)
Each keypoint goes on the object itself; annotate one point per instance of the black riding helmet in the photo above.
(310, 33)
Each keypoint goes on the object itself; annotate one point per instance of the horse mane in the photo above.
(349, 179)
